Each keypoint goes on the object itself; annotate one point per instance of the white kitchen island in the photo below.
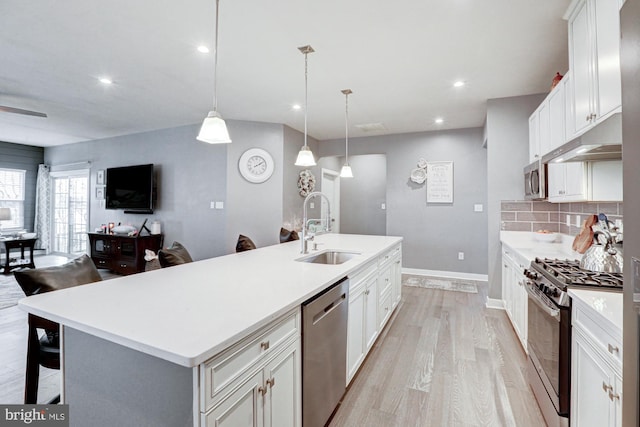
(168, 347)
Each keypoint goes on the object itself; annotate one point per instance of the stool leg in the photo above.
(33, 368)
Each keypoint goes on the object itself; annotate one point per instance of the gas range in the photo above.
(552, 277)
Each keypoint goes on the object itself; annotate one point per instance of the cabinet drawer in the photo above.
(361, 275)
(384, 308)
(603, 339)
(388, 256)
(230, 365)
(124, 266)
(384, 283)
(101, 262)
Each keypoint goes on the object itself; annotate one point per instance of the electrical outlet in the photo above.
(568, 220)
(219, 205)
(312, 205)
(383, 206)
(461, 256)
(212, 205)
(578, 221)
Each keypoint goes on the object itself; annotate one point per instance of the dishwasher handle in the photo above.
(321, 314)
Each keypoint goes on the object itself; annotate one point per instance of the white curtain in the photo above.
(42, 223)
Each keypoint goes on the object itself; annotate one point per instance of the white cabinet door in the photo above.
(243, 408)
(507, 288)
(555, 181)
(607, 31)
(396, 278)
(283, 389)
(534, 137)
(590, 382)
(522, 305)
(544, 126)
(371, 313)
(575, 181)
(557, 113)
(355, 332)
(580, 60)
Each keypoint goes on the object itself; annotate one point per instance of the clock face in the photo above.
(256, 165)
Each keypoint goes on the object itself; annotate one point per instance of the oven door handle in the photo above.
(551, 311)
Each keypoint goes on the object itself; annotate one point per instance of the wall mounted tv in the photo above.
(130, 188)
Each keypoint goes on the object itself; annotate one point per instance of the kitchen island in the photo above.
(152, 348)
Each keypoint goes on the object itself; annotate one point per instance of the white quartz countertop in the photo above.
(525, 243)
(606, 305)
(186, 314)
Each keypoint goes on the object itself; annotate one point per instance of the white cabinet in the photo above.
(256, 382)
(534, 137)
(585, 181)
(594, 59)
(547, 123)
(596, 370)
(514, 294)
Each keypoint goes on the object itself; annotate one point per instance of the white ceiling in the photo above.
(399, 57)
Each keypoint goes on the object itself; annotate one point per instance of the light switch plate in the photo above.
(212, 205)
(568, 220)
(219, 205)
(383, 206)
(478, 207)
(578, 221)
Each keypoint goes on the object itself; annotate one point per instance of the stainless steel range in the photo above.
(549, 329)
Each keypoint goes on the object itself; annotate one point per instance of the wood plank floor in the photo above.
(444, 360)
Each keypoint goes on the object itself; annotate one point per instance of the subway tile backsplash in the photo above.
(517, 215)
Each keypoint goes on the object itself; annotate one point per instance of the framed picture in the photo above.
(100, 193)
(100, 177)
(440, 182)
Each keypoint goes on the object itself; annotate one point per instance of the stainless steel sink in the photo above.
(329, 257)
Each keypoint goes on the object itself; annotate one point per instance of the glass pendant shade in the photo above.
(305, 157)
(346, 171)
(214, 130)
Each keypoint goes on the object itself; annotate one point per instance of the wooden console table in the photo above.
(18, 244)
(120, 253)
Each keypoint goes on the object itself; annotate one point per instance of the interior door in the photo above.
(331, 188)
(70, 211)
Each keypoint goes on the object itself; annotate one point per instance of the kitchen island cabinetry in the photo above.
(212, 342)
(596, 359)
(514, 294)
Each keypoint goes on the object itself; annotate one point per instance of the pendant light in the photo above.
(305, 156)
(214, 129)
(346, 168)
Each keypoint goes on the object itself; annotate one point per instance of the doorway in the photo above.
(330, 185)
(69, 211)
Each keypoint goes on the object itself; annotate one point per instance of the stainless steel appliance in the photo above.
(324, 353)
(549, 330)
(535, 181)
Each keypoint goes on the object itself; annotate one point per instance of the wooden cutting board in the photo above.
(584, 239)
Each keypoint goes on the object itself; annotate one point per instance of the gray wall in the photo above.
(190, 174)
(507, 129)
(629, 54)
(25, 157)
(254, 210)
(361, 196)
(433, 234)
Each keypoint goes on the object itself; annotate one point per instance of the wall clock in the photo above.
(256, 165)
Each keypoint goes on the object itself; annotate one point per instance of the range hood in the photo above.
(603, 142)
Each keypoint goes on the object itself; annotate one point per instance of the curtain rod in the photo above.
(64, 165)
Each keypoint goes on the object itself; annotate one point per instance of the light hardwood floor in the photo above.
(444, 360)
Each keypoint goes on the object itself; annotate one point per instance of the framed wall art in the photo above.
(440, 182)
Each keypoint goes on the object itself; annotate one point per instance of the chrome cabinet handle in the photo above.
(607, 387)
(264, 345)
(612, 348)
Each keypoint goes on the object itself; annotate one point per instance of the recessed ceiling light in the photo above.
(296, 106)
(459, 83)
(105, 80)
(203, 49)
(439, 120)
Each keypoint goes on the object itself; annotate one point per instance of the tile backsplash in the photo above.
(518, 215)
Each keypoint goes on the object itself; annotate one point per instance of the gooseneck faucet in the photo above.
(306, 234)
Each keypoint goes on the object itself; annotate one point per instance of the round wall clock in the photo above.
(256, 165)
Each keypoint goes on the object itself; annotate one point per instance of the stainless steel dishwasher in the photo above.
(324, 353)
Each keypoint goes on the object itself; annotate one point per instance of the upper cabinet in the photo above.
(547, 123)
(594, 59)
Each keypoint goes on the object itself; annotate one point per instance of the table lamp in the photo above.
(5, 215)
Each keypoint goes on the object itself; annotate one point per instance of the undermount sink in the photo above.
(329, 257)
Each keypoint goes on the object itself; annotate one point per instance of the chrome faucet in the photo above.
(306, 234)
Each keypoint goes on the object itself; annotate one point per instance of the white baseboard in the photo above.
(495, 303)
(446, 274)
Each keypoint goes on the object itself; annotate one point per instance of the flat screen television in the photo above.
(130, 188)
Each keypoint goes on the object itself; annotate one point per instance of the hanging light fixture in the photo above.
(346, 168)
(214, 129)
(305, 156)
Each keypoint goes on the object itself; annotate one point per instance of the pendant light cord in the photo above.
(346, 127)
(215, 63)
(306, 96)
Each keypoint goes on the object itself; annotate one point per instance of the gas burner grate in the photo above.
(568, 272)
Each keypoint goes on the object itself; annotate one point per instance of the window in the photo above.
(12, 196)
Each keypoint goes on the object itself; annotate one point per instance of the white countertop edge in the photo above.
(594, 302)
(32, 305)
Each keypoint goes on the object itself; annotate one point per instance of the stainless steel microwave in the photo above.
(535, 181)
